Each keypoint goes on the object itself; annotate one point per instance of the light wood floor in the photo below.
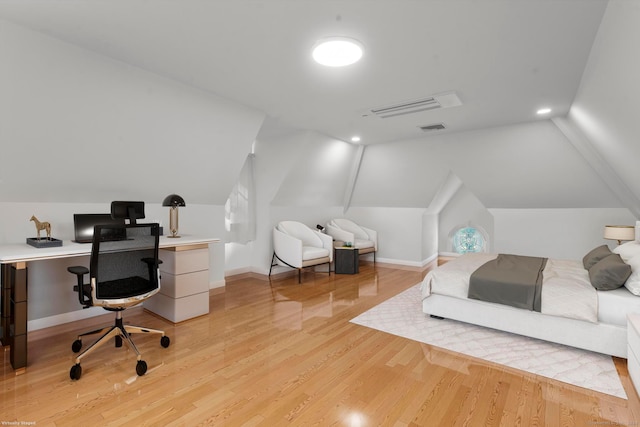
(279, 353)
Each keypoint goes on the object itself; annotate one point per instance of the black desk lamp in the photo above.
(173, 201)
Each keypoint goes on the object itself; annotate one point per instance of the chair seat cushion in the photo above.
(361, 244)
(311, 252)
(127, 287)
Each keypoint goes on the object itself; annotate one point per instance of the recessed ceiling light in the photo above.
(355, 139)
(337, 51)
(544, 111)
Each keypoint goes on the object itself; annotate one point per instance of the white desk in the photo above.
(21, 252)
(14, 259)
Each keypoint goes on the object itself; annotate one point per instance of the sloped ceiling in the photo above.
(80, 127)
(319, 176)
(504, 58)
(449, 187)
(233, 62)
(521, 166)
(607, 104)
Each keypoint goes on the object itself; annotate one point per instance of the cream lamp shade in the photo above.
(619, 232)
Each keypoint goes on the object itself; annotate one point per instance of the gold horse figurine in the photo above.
(42, 226)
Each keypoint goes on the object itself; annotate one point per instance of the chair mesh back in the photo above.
(126, 266)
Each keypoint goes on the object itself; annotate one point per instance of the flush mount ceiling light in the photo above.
(543, 111)
(337, 51)
(355, 139)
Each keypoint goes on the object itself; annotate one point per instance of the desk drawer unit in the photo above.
(184, 292)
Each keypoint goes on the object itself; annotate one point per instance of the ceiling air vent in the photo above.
(429, 128)
(443, 100)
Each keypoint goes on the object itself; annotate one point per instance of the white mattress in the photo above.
(613, 306)
(566, 290)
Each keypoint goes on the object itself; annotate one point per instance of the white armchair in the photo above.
(362, 238)
(297, 246)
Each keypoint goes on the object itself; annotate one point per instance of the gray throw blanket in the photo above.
(511, 280)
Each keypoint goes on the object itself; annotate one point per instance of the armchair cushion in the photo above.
(345, 230)
(312, 252)
(300, 232)
(351, 227)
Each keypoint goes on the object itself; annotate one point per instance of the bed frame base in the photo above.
(599, 337)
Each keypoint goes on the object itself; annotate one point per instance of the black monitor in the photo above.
(127, 210)
(83, 225)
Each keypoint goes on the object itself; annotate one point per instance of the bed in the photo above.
(576, 310)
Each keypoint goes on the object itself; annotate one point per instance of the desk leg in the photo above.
(5, 303)
(14, 313)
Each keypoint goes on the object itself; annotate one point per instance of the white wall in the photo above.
(464, 209)
(557, 233)
(400, 233)
(430, 236)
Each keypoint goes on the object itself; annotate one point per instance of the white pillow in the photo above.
(637, 231)
(627, 250)
(633, 282)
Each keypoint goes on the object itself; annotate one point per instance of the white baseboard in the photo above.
(449, 254)
(420, 264)
(236, 271)
(217, 284)
(429, 260)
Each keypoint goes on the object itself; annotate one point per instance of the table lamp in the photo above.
(173, 201)
(619, 232)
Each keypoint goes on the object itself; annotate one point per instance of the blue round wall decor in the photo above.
(468, 240)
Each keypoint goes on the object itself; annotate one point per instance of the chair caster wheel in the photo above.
(165, 341)
(76, 346)
(141, 368)
(76, 372)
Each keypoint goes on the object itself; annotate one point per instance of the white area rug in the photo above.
(402, 315)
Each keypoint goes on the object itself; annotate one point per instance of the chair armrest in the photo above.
(373, 236)
(83, 290)
(152, 261)
(327, 243)
(287, 248)
(339, 234)
(78, 270)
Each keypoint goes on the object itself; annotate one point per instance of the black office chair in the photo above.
(124, 271)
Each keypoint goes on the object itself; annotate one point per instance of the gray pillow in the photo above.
(595, 255)
(609, 273)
